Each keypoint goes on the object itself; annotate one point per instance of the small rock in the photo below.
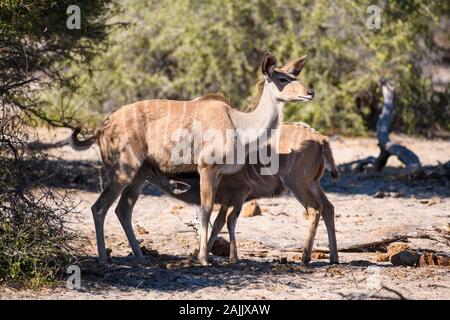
(393, 249)
(397, 247)
(252, 210)
(380, 194)
(397, 195)
(318, 255)
(404, 258)
(221, 247)
(430, 202)
(382, 257)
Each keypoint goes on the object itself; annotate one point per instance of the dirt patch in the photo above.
(269, 246)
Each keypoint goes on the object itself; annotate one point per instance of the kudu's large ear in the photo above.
(294, 67)
(269, 64)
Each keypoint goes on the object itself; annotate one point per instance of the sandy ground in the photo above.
(162, 224)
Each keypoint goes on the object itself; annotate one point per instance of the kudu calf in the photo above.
(141, 135)
(303, 156)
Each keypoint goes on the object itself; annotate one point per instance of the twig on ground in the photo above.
(363, 296)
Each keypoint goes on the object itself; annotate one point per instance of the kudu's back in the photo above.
(143, 131)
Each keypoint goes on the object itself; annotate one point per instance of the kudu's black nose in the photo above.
(311, 93)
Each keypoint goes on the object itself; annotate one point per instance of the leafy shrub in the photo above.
(36, 243)
(36, 47)
(184, 49)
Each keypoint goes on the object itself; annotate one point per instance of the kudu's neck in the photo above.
(267, 115)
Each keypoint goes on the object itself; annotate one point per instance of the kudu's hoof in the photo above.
(203, 262)
(306, 262)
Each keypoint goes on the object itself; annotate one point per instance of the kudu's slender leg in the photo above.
(314, 217)
(196, 220)
(124, 212)
(328, 218)
(219, 222)
(99, 211)
(209, 179)
(312, 203)
(231, 225)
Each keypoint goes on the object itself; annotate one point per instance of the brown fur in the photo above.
(215, 96)
(304, 154)
(138, 136)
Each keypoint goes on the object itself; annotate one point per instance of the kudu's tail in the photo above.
(81, 145)
(329, 160)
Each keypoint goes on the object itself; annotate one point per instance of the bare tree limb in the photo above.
(8, 87)
(375, 295)
(387, 148)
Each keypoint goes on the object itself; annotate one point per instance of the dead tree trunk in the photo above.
(388, 148)
(406, 156)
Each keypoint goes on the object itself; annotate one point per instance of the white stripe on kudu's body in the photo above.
(126, 151)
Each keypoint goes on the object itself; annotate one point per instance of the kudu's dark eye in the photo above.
(283, 80)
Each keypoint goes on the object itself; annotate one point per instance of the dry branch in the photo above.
(375, 295)
(434, 234)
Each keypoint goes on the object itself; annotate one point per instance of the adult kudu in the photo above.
(140, 135)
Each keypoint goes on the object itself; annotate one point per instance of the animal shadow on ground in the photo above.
(432, 181)
(167, 273)
(78, 175)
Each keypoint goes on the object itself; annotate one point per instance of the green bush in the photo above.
(184, 49)
(36, 245)
(36, 48)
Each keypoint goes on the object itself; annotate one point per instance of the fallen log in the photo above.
(434, 233)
